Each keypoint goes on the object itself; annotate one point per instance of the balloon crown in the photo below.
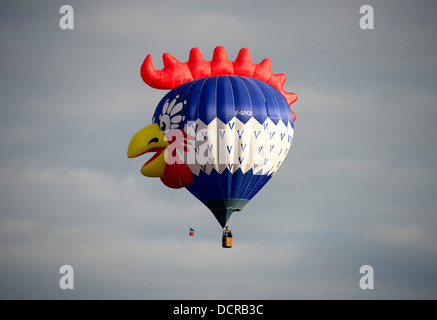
(176, 73)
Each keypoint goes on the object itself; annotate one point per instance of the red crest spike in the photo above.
(198, 66)
(176, 73)
(220, 64)
(244, 65)
(263, 70)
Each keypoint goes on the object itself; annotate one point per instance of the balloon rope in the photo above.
(188, 225)
(177, 208)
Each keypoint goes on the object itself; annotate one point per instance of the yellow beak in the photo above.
(149, 139)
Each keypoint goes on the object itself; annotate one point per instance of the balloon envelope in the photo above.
(242, 129)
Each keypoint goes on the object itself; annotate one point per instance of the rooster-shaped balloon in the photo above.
(221, 132)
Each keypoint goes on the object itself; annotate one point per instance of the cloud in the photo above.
(356, 188)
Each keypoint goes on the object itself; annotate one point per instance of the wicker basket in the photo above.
(227, 242)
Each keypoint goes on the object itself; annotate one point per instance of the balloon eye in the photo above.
(164, 124)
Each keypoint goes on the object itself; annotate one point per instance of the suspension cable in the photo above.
(208, 234)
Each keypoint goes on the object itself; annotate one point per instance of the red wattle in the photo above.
(177, 175)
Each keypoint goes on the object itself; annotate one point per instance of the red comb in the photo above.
(176, 73)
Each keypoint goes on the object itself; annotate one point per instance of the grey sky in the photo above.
(358, 186)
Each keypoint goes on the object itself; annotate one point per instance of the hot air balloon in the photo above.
(222, 131)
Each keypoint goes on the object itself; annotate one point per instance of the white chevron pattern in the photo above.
(229, 146)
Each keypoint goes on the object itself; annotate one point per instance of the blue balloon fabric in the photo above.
(242, 130)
